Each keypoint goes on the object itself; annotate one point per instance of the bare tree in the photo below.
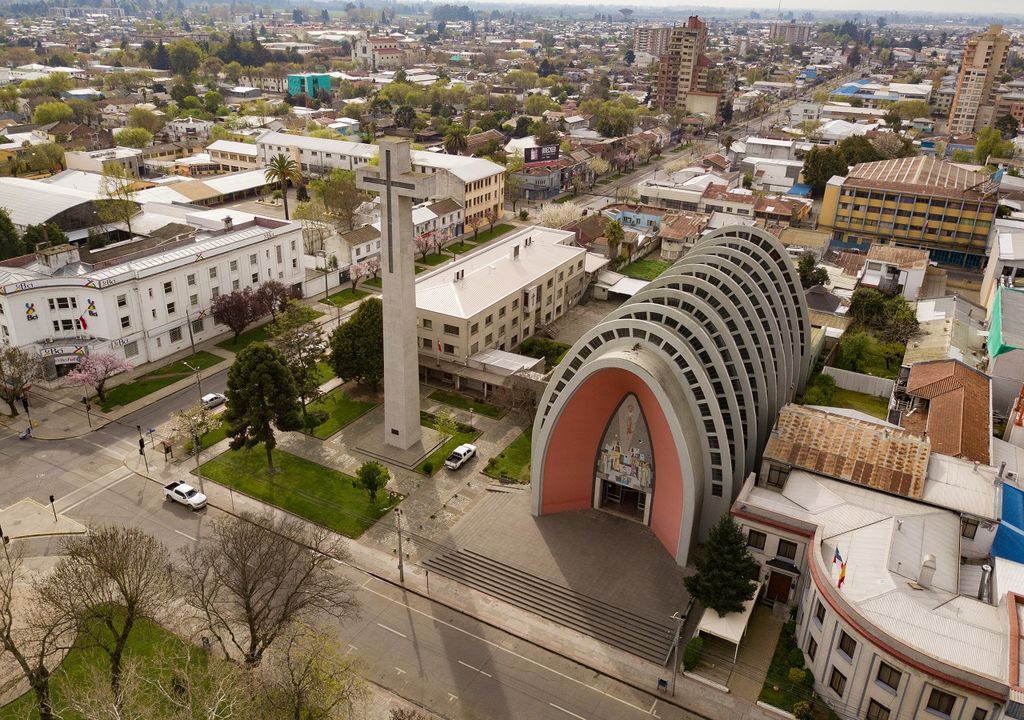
(256, 576)
(310, 679)
(18, 370)
(107, 582)
(316, 224)
(34, 640)
(117, 201)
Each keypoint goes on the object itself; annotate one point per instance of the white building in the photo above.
(188, 129)
(442, 218)
(99, 160)
(144, 299)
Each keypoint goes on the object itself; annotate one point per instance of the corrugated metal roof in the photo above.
(29, 202)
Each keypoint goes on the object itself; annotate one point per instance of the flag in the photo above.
(842, 575)
(81, 319)
(439, 346)
(836, 557)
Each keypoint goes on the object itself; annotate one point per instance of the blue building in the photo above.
(309, 83)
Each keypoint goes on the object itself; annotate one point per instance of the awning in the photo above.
(733, 626)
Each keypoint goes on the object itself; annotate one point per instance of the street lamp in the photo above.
(401, 559)
(199, 382)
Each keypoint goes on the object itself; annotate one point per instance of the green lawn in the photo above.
(374, 282)
(210, 437)
(146, 640)
(324, 372)
(464, 434)
(340, 409)
(646, 268)
(853, 400)
(461, 247)
(540, 347)
(345, 297)
(248, 337)
(158, 379)
(880, 359)
(318, 493)
(433, 259)
(777, 690)
(512, 463)
(464, 402)
(488, 235)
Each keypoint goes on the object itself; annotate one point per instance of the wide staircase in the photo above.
(616, 626)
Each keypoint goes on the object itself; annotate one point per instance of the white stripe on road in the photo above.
(193, 539)
(475, 669)
(90, 486)
(567, 712)
(513, 653)
(392, 630)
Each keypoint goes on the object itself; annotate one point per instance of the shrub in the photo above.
(795, 658)
(802, 710)
(797, 676)
(691, 655)
(819, 390)
(277, 195)
(428, 467)
(524, 215)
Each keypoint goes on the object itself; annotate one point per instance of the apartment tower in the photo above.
(683, 71)
(983, 63)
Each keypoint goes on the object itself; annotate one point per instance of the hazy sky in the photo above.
(956, 8)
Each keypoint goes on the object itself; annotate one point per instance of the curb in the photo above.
(47, 534)
(445, 604)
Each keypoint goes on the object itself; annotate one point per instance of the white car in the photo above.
(212, 400)
(460, 456)
(185, 494)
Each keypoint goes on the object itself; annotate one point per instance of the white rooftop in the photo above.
(232, 146)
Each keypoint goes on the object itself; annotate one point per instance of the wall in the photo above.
(859, 382)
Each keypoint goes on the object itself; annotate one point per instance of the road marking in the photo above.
(452, 698)
(475, 669)
(183, 534)
(651, 711)
(351, 648)
(69, 508)
(567, 712)
(392, 630)
(400, 670)
(513, 653)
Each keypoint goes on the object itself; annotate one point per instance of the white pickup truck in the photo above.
(185, 494)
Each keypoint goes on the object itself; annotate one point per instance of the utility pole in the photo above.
(88, 417)
(680, 619)
(401, 558)
(191, 337)
(199, 382)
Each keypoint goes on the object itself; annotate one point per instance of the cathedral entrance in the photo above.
(624, 473)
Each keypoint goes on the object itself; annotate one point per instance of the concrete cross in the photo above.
(398, 186)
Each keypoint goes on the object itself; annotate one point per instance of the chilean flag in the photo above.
(439, 346)
(82, 322)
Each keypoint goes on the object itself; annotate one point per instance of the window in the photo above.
(215, 293)
(777, 476)
(515, 304)
(213, 273)
(877, 711)
(233, 265)
(153, 311)
(501, 313)
(191, 279)
(126, 322)
(979, 714)
(474, 328)
(847, 645)
(193, 300)
(787, 549)
(448, 348)
(941, 702)
(176, 335)
(489, 319)
(197, 325)
(252, 258)
(812, 648)
(67, 325)
(451, 329)
(255, 278)
(819, 613)
(56, 325)
(122, 300)
(131, 349)
(170, 308)
(428, 324)
(279, 256)
(889, 676)
(168, 287)
(235, 284)
(968, 528)
(426, 343)
(755, 539)
(837, 682)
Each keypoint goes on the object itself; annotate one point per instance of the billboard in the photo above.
(540, 154)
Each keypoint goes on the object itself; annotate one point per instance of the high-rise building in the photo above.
(651, 40)
(791, 33)
(983, 63)
(683, 71)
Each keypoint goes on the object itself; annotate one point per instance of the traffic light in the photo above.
(142, 446)
(24, 402)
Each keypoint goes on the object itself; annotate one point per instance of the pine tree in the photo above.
(11, 244)
(724, 570)
(357, 346)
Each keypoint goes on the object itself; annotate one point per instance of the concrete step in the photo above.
(618, 627)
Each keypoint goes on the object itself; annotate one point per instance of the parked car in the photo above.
(185, 494)
(460, 456)
(212, 400)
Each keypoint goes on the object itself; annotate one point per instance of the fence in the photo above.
(859, 382)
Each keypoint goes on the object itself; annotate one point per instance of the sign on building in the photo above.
(540, 154)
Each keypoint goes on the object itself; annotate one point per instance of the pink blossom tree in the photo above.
(356, 272)
(94, 371)
(373, 266)
(424, 244)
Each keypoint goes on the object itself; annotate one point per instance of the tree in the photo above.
(405, 116)
(271, 297)
(723, 581)
(858, 149)
(340, 195)
(372, 477)
(255, 577)
(43, 234)
(599, 166)
(1007, 126)
(560, 215)
(298, 336)
(310, 679)
(106, 582)
(854, 348)
(118, 189)
(135, 138)
(281, 170)
(455, 139)
(261, 394)
(990, 144)
(820, 164)
(35, 641)
(184, 57)
(10, 244)
(95, 370)
(614, 234)
(424, 244)
(356, 272)
(44, 157)
(192, 423)
(537, 104)
(513, 189)
(145, 119)
(18, 370)
(316, 225)
(853, 59)
(236, 309)
(357, 346)
(810, 273)
(51, 112)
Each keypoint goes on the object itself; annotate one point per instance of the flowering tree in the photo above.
(424, 244)
(237, 309)
(373, 266)
(94, 371)
(356, 272)
(557, 216)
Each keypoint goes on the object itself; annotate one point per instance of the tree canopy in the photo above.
(357, 346)
(725, 569)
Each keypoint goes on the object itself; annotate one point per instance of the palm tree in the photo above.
(280, 170)
(455, 139)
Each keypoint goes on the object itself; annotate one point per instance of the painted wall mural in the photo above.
(625, 456)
